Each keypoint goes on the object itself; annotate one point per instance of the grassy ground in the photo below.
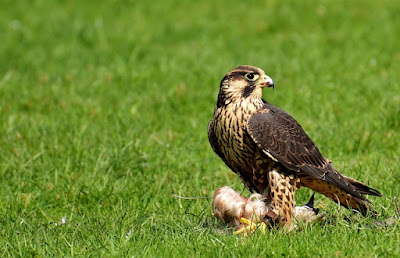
(104, 108)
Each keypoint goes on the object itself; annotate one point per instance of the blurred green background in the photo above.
(104, 107)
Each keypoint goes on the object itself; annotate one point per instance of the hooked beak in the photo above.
(266, 81)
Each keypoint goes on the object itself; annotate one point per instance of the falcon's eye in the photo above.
(251, 76)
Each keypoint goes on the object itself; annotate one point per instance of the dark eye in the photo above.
(251, 76)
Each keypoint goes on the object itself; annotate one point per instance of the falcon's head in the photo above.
(243, 82)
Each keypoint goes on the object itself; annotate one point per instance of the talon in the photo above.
(245, 221)
(240, 231)
(250, 227)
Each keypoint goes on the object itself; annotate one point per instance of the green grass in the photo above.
(104, 107)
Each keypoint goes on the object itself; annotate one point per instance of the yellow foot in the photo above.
(250, 227)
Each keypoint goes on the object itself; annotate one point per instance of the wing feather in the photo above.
(282, 137)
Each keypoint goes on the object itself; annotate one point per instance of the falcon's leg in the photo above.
(280, 195)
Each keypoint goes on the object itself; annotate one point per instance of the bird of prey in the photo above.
(269, 150)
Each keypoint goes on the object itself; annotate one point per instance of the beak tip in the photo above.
(272, 85)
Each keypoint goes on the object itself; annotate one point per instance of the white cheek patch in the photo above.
(238, 85)
(235, 88)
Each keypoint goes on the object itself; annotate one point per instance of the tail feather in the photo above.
(360, 202)
(362, 188)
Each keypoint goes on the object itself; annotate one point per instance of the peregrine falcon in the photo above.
(269, 150)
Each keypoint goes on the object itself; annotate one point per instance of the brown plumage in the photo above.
(270, 151)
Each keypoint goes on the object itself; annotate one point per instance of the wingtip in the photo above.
(376, 192)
